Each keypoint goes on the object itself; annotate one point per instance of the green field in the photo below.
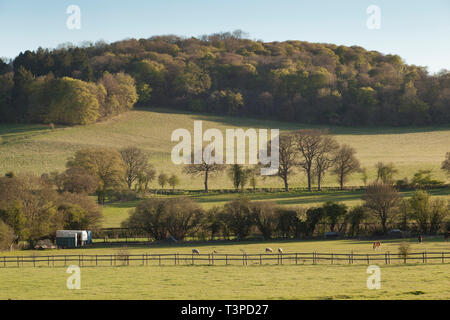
(322, 281)
(36, 148)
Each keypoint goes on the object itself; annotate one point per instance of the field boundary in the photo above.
(297, 258)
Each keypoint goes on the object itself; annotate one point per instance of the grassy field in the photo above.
(36, 148)
(323, 281)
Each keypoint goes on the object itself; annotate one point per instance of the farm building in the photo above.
(73, 238)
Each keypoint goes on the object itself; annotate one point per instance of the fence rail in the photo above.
(221, 259)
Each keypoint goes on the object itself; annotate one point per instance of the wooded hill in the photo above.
(222, 73)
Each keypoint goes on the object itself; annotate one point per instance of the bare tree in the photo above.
(308, 143)
(287, 152)
(446, 163)
(207, 170)
(382, 199)
(325, 157)
(136, 162)
(385, 172)
(144, 179)
(345, 163)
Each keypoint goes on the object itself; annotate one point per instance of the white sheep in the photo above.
(280, 250)
(195, 251)
(269, 250)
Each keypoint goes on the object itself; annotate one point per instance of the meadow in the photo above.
(38, 149)
(322, 281)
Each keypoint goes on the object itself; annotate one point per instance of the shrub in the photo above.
(161, 217)
(6, 236)
(404, 249)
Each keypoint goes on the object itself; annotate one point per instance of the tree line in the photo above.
(223, 73)
(238, 219)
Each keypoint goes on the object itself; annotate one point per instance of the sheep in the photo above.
(195, 251)
(280, 250)
(269, 250)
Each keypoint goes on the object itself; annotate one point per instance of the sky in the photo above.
(418, 31)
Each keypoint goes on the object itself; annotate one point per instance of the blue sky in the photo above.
(419, 31)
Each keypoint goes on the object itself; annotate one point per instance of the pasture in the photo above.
(38, 149)
(321, 281)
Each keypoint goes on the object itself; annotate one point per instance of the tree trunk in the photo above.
(286, 186)
(206, 182)
(309, 180)
(318, 182)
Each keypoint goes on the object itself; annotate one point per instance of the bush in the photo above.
(265, 218)
(236, 213)
(161, 217)
(6, 236)
(404, 249)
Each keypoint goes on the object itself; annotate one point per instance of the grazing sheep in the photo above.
(195, 251)
(269, 250)
(280, 250)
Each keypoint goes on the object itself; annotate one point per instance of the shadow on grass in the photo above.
(255, 122)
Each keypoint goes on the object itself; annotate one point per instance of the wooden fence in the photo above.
(221, 259)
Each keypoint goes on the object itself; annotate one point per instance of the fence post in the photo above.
(443, 259)
(260, 259)
(368, 260)
(296, 259)
(226, 259)
(423, 257)
(159, 259)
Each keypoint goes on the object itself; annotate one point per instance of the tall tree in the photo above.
(163, 179)
(385, 172)
(446, 163)
(136, 163)
(173, 181)
(207, 170)
(325, 158)
(287, 160)
(308, 142)
(382, 199)
(345, 163)
(103, 163)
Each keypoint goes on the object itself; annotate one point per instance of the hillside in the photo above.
(223, 74)
(38, 149)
